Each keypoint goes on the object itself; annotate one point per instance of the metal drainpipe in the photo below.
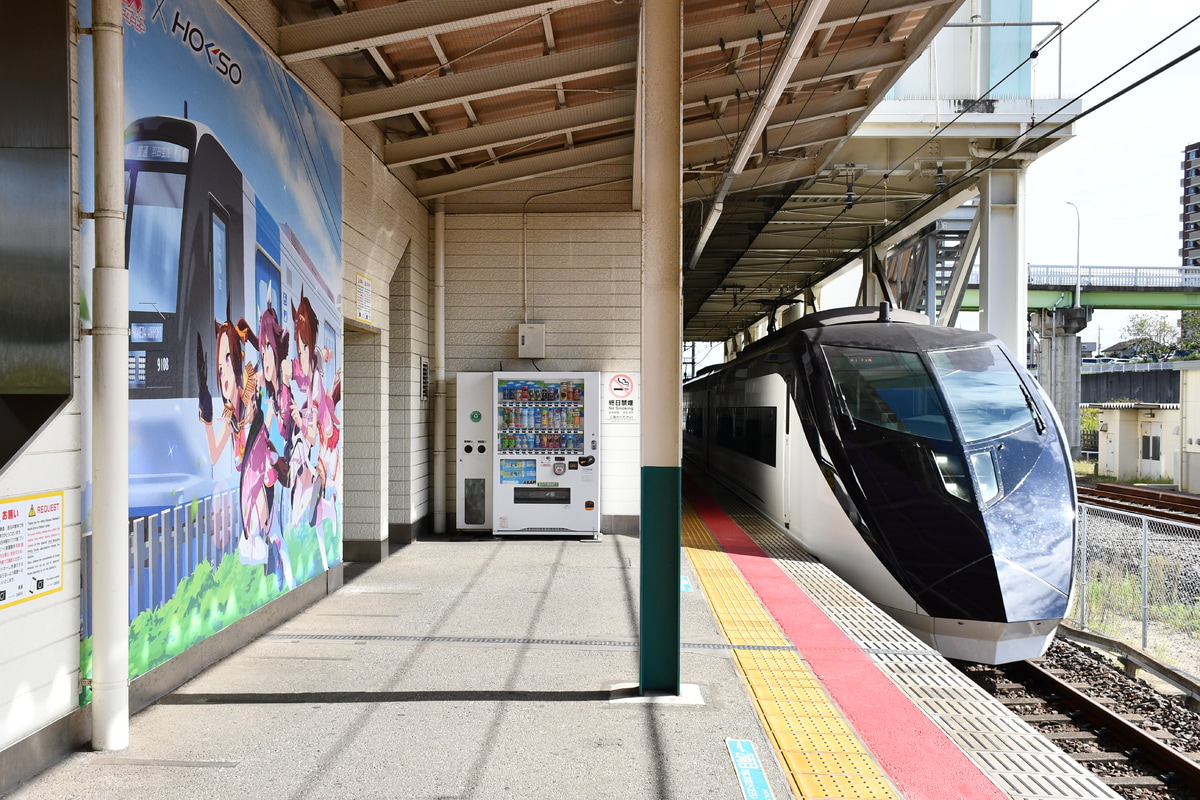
(439, 366)
(110, 394)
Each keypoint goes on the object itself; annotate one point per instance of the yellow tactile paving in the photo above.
(821, 754)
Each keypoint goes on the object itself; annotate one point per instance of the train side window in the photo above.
(220, 267)
(888, 389)
(749, 430)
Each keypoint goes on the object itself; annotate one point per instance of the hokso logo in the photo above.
(194, 38)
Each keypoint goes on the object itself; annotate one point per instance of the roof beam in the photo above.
(828, 129)
(513, 131)
(481, 83)
(574, 65)
(417, 19)
(402, 22)
(507, 172)
(621, 109)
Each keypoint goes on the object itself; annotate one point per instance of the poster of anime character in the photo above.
(233, 230)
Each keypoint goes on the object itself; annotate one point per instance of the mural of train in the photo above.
(234, 349)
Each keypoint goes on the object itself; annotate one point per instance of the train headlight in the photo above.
(954, 477)
(985, 476)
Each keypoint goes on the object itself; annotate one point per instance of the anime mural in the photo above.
(233, 219)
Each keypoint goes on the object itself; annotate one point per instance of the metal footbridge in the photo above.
(1149, 288)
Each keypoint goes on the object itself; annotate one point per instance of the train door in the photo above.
(1150, 464)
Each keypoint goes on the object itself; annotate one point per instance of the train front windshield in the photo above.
(889, 389)
(895, 390)
(985, 392)
(155, 229)
(155, 180)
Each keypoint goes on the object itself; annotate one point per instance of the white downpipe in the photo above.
(439, 366)
(110, 394)
(976, 60)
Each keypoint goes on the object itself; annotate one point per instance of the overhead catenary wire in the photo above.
(1019, 142)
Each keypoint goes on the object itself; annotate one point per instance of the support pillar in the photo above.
(662, 331)
(1058, 360)
(1003, 273)
(931, 266)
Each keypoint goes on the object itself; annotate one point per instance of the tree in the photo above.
(1189, 324)
(1151, 334)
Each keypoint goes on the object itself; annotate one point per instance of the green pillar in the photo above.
(660, 570)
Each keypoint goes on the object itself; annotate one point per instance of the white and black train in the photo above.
(919, 463)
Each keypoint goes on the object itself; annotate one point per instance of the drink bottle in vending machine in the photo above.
(546, 468)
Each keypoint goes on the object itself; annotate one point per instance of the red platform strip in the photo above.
(921, 760)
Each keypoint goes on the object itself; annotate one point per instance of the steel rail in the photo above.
(1139, 504)
(1151, 749)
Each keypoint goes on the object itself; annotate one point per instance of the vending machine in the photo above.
(546, 468)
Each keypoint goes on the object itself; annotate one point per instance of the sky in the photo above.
(1122, 168)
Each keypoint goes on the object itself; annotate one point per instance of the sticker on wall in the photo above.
(621, 400)
(31, 547)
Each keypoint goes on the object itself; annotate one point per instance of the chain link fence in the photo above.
(1137, 580)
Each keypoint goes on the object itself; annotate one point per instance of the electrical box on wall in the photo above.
(531, 340)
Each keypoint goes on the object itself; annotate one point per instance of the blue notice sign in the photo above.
(685, 583)
(749, 770)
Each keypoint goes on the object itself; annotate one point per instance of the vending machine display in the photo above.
(547, 471)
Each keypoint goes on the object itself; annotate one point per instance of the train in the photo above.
(922, 464)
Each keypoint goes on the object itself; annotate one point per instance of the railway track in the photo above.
(1159, 503)
(1088, 713)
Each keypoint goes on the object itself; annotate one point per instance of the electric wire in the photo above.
(813, 91)
(991, 160)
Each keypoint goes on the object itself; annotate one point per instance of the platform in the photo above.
(481, 668)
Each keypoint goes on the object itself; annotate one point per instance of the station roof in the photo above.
(513, 105)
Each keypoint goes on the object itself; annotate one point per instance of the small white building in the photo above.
(1142, 441)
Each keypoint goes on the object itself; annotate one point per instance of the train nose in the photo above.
(1023, 568)
(1032, 532)
(1027, 596)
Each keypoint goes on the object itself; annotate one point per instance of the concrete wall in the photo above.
(410, 415)
(39, 657)
(1189, 445)
(580, 275)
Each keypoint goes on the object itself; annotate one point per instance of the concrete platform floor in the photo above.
(458, 668)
